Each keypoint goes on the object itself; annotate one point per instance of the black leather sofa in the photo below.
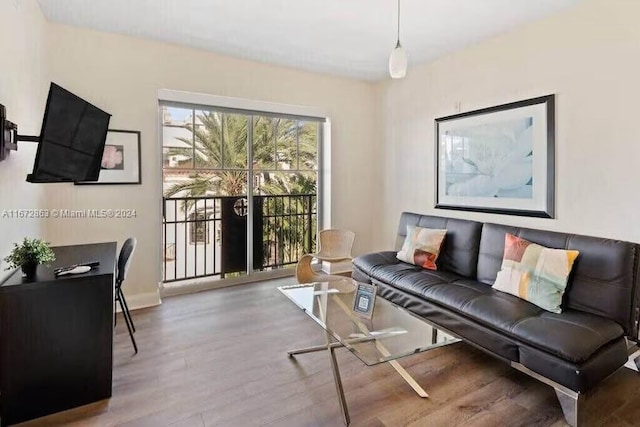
(572, 351)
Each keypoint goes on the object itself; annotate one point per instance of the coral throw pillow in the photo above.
(422, 246)
(535, 273)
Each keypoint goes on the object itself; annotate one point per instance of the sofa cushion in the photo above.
(422, 246)
(577, 376)
(535, 273)
(385, 267)
(384, 262)
(592, 288)
(572, 336)
(459, 253)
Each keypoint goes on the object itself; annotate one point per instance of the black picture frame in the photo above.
(540, 112)
(131, 172)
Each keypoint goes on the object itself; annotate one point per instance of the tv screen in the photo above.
(71, 141)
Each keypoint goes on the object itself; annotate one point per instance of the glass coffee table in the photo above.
(391, 333)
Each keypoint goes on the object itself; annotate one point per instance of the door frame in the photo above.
(247, 107)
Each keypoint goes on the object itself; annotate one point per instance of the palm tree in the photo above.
(296, 146)
(218, 154)
(290, 235)
(219, 142)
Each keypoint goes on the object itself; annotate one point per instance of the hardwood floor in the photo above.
(218, 358)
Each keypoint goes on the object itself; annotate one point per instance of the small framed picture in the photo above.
(121, 162)
(364, 300)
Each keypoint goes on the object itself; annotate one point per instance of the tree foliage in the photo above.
(282, 148)
(284, 155)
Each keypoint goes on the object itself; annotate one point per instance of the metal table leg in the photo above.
(308, 349)
(331, 347)
(338, 381)
(408, 378)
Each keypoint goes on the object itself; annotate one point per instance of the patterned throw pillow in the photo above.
(422, 246)
(535, 273)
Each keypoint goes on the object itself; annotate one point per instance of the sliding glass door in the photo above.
(240, 191)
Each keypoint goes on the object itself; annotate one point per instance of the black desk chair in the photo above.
(124, 260)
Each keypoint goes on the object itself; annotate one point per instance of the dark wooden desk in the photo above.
(56, 336)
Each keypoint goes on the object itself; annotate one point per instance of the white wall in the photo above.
(122, 75)
(383, 145)
(589, 56)
(23, 87)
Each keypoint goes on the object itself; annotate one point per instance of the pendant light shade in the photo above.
(398, 61)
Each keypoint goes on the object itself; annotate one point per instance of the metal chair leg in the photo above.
(125, 310)
(126, 306)
(126, 320)
(115, 314)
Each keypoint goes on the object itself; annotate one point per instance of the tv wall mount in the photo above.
(9, 135)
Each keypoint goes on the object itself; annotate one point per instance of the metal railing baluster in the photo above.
(287, 227)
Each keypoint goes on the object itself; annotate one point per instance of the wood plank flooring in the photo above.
(218, 358)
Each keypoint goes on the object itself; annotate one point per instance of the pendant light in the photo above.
(398, 59)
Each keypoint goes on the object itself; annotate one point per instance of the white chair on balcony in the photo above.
(335, 245)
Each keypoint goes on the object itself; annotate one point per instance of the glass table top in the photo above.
(391, 333)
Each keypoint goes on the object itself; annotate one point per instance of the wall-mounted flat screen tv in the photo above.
(71, 141)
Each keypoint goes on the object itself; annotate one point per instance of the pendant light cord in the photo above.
(398, 39)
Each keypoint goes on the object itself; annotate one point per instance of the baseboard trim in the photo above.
(207, 284)
(138, 301)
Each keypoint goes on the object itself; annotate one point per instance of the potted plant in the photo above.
(29, 254)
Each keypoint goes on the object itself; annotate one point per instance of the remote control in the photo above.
(76, 270)
(91, 264)
(62, 270)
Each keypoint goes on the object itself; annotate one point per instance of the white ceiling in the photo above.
(344, 37)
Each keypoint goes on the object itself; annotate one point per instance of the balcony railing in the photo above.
(207, 236)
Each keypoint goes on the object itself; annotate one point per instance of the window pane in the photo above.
(264, 143)
(234, 137)
(286, 143)
(221, 140)
(185, 184)
(208, 139)
(177, 138)
(308, 145)
(203, 183)
(173, 116)
(173, 157)
(277, 183)
(231, 183)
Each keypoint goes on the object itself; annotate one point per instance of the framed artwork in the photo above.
(121, 162)
(499, 159)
